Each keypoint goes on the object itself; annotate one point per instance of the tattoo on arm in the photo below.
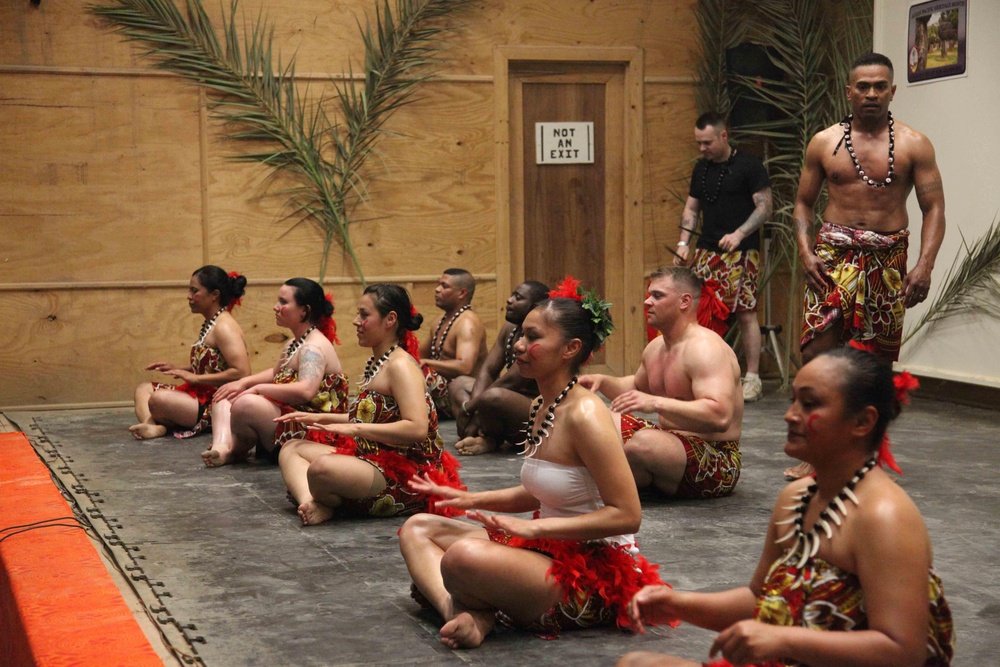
(758, 217)
(929, 188)
(311, 364)
(803, 227)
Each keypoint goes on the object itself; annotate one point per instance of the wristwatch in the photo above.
(682, 243)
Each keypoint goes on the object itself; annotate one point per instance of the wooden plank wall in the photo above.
(115, 184)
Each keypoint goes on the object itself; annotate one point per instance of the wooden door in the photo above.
(572, 219)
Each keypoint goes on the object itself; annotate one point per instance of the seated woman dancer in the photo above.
(306, 378)
(359, 463)
(864, 566)
(217, 357)
(576, 563)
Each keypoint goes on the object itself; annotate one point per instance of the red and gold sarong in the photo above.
(713, 468)
(824, 597)
(331, 397)
(437, 389)
(204, 360)
(867, 269)
(397, 463)
(735, 273)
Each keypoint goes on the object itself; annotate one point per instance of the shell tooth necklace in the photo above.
(807, 544)
(372, 367)
(437, 345)
(534, 438)
(207, 326)
(296, 344)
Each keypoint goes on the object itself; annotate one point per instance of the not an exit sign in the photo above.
(564, 143)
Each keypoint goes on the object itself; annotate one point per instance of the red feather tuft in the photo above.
(569, 288)
(905, 383)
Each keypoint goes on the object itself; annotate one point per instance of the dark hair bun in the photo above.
(415, 322)
(237, 286)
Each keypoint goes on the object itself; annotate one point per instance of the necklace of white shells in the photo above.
(296, 344)
(534, 439)
(207, 326)
(807, 544)
(372, 367)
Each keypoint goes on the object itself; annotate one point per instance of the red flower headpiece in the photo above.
(598, 309)
(233, 275)
(569, 288)
(327, 326)
(904, 383)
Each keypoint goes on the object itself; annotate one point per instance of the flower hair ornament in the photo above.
(410, 342)
(233, 275)
(598, 309)
(904, 383)
(327, 326)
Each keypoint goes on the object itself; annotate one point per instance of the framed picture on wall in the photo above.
(936, 44)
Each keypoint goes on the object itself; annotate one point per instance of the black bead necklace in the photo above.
(296, 344)
(437, 345)
(846, 123)
(534, 439)
(207, 326)
(372, 367)
(807, 544)
(723, 170)
(508, 347)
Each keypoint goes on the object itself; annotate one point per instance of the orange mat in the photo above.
(58, 605)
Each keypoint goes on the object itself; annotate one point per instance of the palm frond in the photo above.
(972, 284)
(258, 99)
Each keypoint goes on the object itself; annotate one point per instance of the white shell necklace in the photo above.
(534, 439)
(807, 544)
(372, 367)
(296, 344)
(207, 326)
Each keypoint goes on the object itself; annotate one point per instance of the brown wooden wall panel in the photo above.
(665, 29)
(670, 155)
(98, 173)
(57, 34)
(432, 187)
(111, 176)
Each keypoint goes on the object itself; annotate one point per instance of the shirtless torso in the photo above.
(854, 203)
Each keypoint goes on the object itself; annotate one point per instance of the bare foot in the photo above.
(144, 431)
(474, 446)
(216, 458)
(799, 471)
(314, 513)
(468, 629)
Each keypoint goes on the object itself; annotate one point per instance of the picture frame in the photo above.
(936, 45)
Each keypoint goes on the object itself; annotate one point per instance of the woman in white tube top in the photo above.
(575, 564)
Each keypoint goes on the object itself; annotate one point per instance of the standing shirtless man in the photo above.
(857, 284)
(457, 344)
(690, 378)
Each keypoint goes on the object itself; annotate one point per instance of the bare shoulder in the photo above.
(708, 348)
(826, 138)
(227, 326)
(885, 505)
(654, 347)
(469, 324)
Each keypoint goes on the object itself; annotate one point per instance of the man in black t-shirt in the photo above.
(731, 191)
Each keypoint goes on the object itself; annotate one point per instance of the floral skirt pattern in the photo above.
(713, 468)
(867, 269)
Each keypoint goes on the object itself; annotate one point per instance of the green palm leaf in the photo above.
(256, 96)
(972, 284)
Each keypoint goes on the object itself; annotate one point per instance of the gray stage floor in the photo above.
(224, 551)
